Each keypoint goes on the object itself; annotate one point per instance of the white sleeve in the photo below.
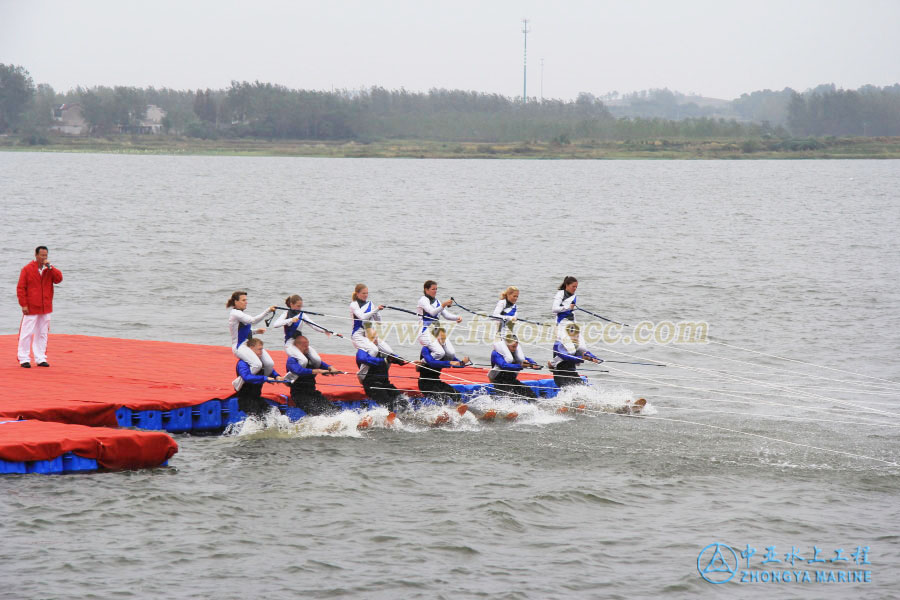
(448, 315)
(316, 325)
(282, 321)
(356, 311)
(242, 317)
(558, 306)
(425, 306)
(498, 311)
(258, 318)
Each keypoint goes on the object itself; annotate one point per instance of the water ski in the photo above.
(633, 409)
(492, 413)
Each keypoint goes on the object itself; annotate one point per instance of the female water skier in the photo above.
(293, 321)
(429, 311)
(564, 308)
(430, 368)
(363, 311)
(505, 314)
(504, 373)
(373, 372)
(241, 326)
(567, 355)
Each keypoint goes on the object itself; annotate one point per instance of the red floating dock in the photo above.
(96, 383)
(92, 377)
(30, 441)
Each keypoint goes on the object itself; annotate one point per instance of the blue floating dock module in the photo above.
(31, 446)
(543, 388)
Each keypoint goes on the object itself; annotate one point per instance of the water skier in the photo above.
(293, 321)
(250, 393)
(304, 394)
(567, 355)
(430, 368)
(430, 311)
(374, 373)
(241, 326)
(504, 373)
(362, 310)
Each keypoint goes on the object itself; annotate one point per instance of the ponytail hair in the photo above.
(359, 287)
(567, 281)
(428, 284)
(291, 299)
(234, 298)
(505, 295)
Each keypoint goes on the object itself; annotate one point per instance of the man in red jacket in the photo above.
(35, 292)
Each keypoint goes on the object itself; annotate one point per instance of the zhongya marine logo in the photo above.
(717, 563)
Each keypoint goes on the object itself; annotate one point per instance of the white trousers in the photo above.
(303, 359)
(501, 347)
(361, 342)
(33, 334)
(563, 337)
(249, 356)
(437, 351)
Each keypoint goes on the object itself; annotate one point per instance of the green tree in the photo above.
(16, 91)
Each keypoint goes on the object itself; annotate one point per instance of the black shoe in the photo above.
(25, 365)
(44, 364)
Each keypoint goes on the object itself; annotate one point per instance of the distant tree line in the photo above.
(265, 110)
(868, 111)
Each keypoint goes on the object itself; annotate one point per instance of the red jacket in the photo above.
(35, 289)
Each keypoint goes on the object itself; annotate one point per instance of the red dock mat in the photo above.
(88, 371)
(111, 448)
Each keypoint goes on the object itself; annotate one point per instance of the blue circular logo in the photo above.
(717, 563)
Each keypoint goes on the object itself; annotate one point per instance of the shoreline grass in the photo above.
(669, 149)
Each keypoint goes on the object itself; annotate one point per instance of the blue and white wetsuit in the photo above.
(245, 372)
(361, 312)
(290, 328)
(565, 315)
(241, 326)
(293, 366)
(505, 311)
(561, 303)
(430, 311)
(569, 353)
(367, 361)
(297, 369)
(499, 365)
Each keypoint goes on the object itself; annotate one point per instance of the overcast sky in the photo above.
(717, 48)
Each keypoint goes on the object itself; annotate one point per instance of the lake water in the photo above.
(787, 258)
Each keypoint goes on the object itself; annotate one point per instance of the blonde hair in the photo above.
(573, 327)
(359, 287)
(509, 290)
(510, 338)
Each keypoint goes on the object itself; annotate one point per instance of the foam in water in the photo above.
(591, 399)
(582, 399)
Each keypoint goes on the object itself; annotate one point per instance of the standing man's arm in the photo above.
(55, 274)
(21, 291)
